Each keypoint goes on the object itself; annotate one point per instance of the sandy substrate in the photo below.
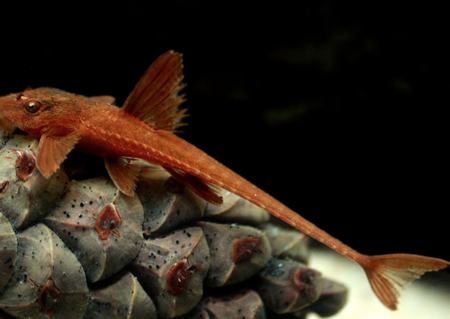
(428, 297)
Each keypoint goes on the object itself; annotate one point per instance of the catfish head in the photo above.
(34, 111)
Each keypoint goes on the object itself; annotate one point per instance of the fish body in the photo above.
(144, 129)
(104, 130)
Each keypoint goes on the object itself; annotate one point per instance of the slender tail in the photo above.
(388, 273)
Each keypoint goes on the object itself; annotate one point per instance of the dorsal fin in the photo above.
(155, 98)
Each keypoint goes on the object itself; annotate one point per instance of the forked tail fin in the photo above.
(387, 273)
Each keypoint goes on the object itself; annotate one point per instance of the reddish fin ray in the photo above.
(155, 98)
(205, 190)
(123, 173)
(54, 146)
(388, 273)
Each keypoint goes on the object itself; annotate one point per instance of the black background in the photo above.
(337, 110)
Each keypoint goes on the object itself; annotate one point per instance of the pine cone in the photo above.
(73, 246)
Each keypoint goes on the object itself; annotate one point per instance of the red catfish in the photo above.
(143, 129)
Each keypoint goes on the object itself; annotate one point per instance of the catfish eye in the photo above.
(32, 106)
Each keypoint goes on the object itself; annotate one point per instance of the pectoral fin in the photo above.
(205, 190)
(54, 146)
(123, 173)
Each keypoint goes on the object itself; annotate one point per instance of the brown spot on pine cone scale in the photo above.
(177, 276)
(305, 280)
(48, 297)
(25, 165)
(243, 248)
(107, 221)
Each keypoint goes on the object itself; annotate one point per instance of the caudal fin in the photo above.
(387, 273)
